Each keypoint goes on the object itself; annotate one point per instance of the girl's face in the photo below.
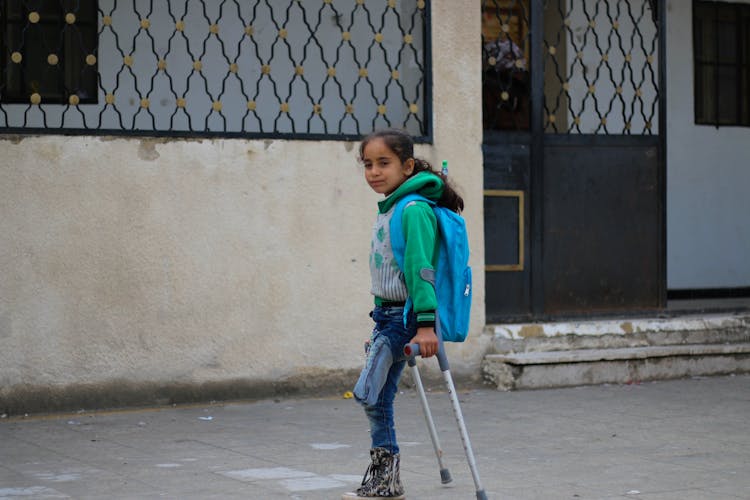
(384, 171)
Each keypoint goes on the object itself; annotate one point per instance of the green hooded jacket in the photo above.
(420, 232)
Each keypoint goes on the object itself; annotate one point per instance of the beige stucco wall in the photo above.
(131, 265)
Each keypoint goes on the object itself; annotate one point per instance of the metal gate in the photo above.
(574, 168)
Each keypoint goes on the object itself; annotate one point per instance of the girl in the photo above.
(391, 169)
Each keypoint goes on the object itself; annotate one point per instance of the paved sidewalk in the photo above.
(687, 439)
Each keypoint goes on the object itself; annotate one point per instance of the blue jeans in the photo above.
(378, 383)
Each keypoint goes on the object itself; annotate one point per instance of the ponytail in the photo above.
(450, 197)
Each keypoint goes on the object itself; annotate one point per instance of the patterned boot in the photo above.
(382, 478)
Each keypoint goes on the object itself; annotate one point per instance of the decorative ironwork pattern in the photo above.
(601, 67)
(317, 68)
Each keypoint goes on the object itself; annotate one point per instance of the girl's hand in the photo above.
(427, 340)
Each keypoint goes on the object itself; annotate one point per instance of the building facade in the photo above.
(184, 216)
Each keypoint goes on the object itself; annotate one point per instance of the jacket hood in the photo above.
(427, 184)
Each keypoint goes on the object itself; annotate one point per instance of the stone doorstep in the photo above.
(617, 350)
(621, 326)
(540, 370)
(614, 354)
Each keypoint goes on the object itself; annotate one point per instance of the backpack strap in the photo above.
(398, 241)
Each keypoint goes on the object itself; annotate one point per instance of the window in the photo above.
(280, 68)
(48, 51)
(721, 44)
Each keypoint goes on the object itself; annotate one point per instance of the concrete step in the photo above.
(617, 350)
(616, 333)
(563, 368)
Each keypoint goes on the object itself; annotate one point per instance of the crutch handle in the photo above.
(411, 351)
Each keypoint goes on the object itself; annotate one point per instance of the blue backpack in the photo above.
(452, 277)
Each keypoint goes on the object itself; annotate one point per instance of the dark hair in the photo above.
(401, 143)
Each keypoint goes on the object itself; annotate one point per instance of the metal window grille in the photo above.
(278, 68)
(45, 51)
(600, 66)
(506, 45)
(721, 45)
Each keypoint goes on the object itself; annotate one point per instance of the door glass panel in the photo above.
(505, 64)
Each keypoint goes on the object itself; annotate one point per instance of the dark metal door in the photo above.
(573, 157)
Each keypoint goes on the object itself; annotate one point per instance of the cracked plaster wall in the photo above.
(173, 261)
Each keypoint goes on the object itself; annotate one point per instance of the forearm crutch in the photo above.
(445, 475)
(411, 351)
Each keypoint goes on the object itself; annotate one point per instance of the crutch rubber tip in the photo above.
(481, 495)
(445, 476)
